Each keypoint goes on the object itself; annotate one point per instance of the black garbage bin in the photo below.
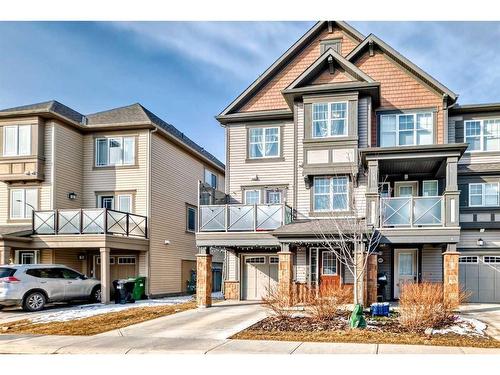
(381, 286)
(123, 291)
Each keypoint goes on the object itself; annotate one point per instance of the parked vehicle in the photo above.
(32, 286)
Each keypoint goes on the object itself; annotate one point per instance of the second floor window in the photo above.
(329, 120)
(482, 135)
(331, 194)
(17, 140)
(119, 202)
(406, 129)
(252, 196)
(264, 142)
(23, 202)
(114, 151)
(211, 178)
(483, 194)
(190, 218)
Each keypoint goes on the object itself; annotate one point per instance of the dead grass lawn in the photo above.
(369, 337)
(95, 324)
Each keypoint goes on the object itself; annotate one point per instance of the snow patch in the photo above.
(86, 311)
(464, 326)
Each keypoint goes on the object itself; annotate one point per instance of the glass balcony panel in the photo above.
(93, 221)
(137, 225)
(241, 218)
(395, 211)
(68, 222)
(117, 222)
(269, 217)
(44, 222)
(427, 211)
(212, 218)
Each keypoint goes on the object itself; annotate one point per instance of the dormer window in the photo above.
(329, 119)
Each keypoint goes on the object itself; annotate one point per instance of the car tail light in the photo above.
(9, 279)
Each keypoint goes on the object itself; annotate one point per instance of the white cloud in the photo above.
(241, 49)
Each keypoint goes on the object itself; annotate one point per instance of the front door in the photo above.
(406, 189)
(405, 268)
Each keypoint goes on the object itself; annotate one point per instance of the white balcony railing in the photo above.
(90, 221)
(243, 217)
(412, 211)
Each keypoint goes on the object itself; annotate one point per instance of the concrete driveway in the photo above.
(218, 322)
(488, 313)
(12, 314)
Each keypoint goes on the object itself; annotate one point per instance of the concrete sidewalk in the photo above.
(14, 344)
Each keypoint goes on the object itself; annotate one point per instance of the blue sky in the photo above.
(187, 72)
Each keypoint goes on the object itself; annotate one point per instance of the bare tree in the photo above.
(350, 238)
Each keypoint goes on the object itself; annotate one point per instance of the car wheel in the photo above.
(96, 294)
(34, 301)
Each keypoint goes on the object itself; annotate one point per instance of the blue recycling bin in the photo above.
(380, 309)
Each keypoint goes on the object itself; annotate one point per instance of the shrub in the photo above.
(329, 301)
(423, 306)
(280, 301)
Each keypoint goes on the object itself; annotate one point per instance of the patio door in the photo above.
(406, 189)
(405, 268)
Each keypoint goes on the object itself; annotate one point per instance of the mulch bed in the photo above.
(95, 324)
(379, 331)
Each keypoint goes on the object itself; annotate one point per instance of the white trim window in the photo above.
(408, 129)
(430, 188)
(483, 194)
(252, 196)
(22, 203)
(329, 263)
(330, 194)
(17, 140)
(119, 202)
(264, 142)
(468, 259)
(124, 202)
(114, 151)
(329, 119)
(191, 216)
(273, 196)
(482, 135)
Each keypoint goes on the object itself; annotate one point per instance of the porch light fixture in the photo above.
(255, 178)
(406, 177)
(167, 242)
(480, 242)
(72, 195)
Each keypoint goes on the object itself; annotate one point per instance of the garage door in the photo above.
(260, 274)
(480, 276)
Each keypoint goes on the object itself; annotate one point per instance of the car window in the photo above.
(6, 272)
(70, 274)
(45, 273)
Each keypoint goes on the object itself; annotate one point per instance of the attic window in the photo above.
(335, 44)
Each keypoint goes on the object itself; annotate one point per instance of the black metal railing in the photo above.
(89, 221)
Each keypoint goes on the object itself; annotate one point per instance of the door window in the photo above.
(329, 263)
(406, 264)
(406, 191)
(27, 257)
(255, 260)
(108, 202)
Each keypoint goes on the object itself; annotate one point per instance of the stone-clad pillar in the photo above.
(285, 269)
(451, 286)
(204, 277)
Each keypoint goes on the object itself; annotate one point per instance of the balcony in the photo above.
(243, 218)
(89, 221)
(411, 212)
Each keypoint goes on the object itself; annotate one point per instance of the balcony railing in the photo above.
(90, 221)
(411, 212)
(243, 217)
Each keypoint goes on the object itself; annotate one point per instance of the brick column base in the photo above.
(371, 280)
(232, 290)
(5, 254)
(204, 280)
(451, 287)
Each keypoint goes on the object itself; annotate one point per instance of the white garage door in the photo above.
(480, 276)
(260, 274)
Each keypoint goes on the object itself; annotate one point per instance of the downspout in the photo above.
(148, 207)
(52, 166)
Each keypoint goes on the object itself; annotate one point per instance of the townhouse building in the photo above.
(343, 126)
(111, 194)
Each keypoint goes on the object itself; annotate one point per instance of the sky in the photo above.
(188, 72)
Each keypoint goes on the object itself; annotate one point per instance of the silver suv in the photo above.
(33, 285)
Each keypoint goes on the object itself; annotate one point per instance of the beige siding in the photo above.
(301, 266)
(116, 179)
(68, 168)
(69, 257)
(269, 173)
(175, 175)
(232, 266)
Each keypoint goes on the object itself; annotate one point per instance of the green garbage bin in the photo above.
(139, 290)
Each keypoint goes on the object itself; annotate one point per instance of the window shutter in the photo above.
(459, 132)
(464, 195)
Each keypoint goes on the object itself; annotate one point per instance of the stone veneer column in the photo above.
(232, 290)
(5, 253)
(105, 275)
(371, 280)
(451, 287)
(285, 270)
(204, 278)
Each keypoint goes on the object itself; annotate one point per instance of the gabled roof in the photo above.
(411, 67)
(131, 115)
(49, 107)
(322, 62)
(285, 58)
